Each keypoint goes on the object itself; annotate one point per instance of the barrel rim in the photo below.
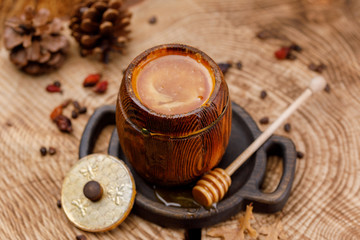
(219, 78)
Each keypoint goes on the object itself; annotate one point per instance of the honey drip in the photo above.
(179, 197)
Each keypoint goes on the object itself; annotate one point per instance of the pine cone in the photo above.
(35, 43)
(99, 26)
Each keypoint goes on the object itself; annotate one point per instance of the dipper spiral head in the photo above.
(212, 187)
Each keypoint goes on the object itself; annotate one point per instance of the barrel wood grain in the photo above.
(173, 150)
(324, 203)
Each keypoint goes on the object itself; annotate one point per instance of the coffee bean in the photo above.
(58, 203)
(312, 66)
(82, 110)
(264, 120)
(239, 65)
(74, 114)
(299, 154)
(52, 150)
(43, 151)
(295, 47)
(317, 68)
(224, 67)
(57, 84)
(327, 88)
(264, 34)
(290, 56)
(81, 237)
(287, 127)
(76, 105)
(263, 94)
(321, 67)
(153, 20)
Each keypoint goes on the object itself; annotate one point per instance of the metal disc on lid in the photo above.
(98, 193)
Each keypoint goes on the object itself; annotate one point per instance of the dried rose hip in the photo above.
(101, 87)
(56, 112)
(63, 123)
(92, 80)
(53, 88)
(282, 53)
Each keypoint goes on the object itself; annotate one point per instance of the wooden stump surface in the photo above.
(324, 203)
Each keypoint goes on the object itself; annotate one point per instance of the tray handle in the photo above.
(274, 201)
(102, 117)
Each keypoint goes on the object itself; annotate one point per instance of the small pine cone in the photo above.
(35, 43)
(99, 26)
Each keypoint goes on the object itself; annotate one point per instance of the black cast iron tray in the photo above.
(246, 181)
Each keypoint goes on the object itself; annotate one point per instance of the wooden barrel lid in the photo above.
(98, 193)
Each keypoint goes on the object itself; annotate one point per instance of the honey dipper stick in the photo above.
(212, 187)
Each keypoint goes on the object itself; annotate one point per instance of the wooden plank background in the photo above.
(324, 203)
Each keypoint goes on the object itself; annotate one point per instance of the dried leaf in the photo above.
(238, 232)
(273, 231)
(245, 222)
(225, 233)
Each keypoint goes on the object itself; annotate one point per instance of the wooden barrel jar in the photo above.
(173, 149)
